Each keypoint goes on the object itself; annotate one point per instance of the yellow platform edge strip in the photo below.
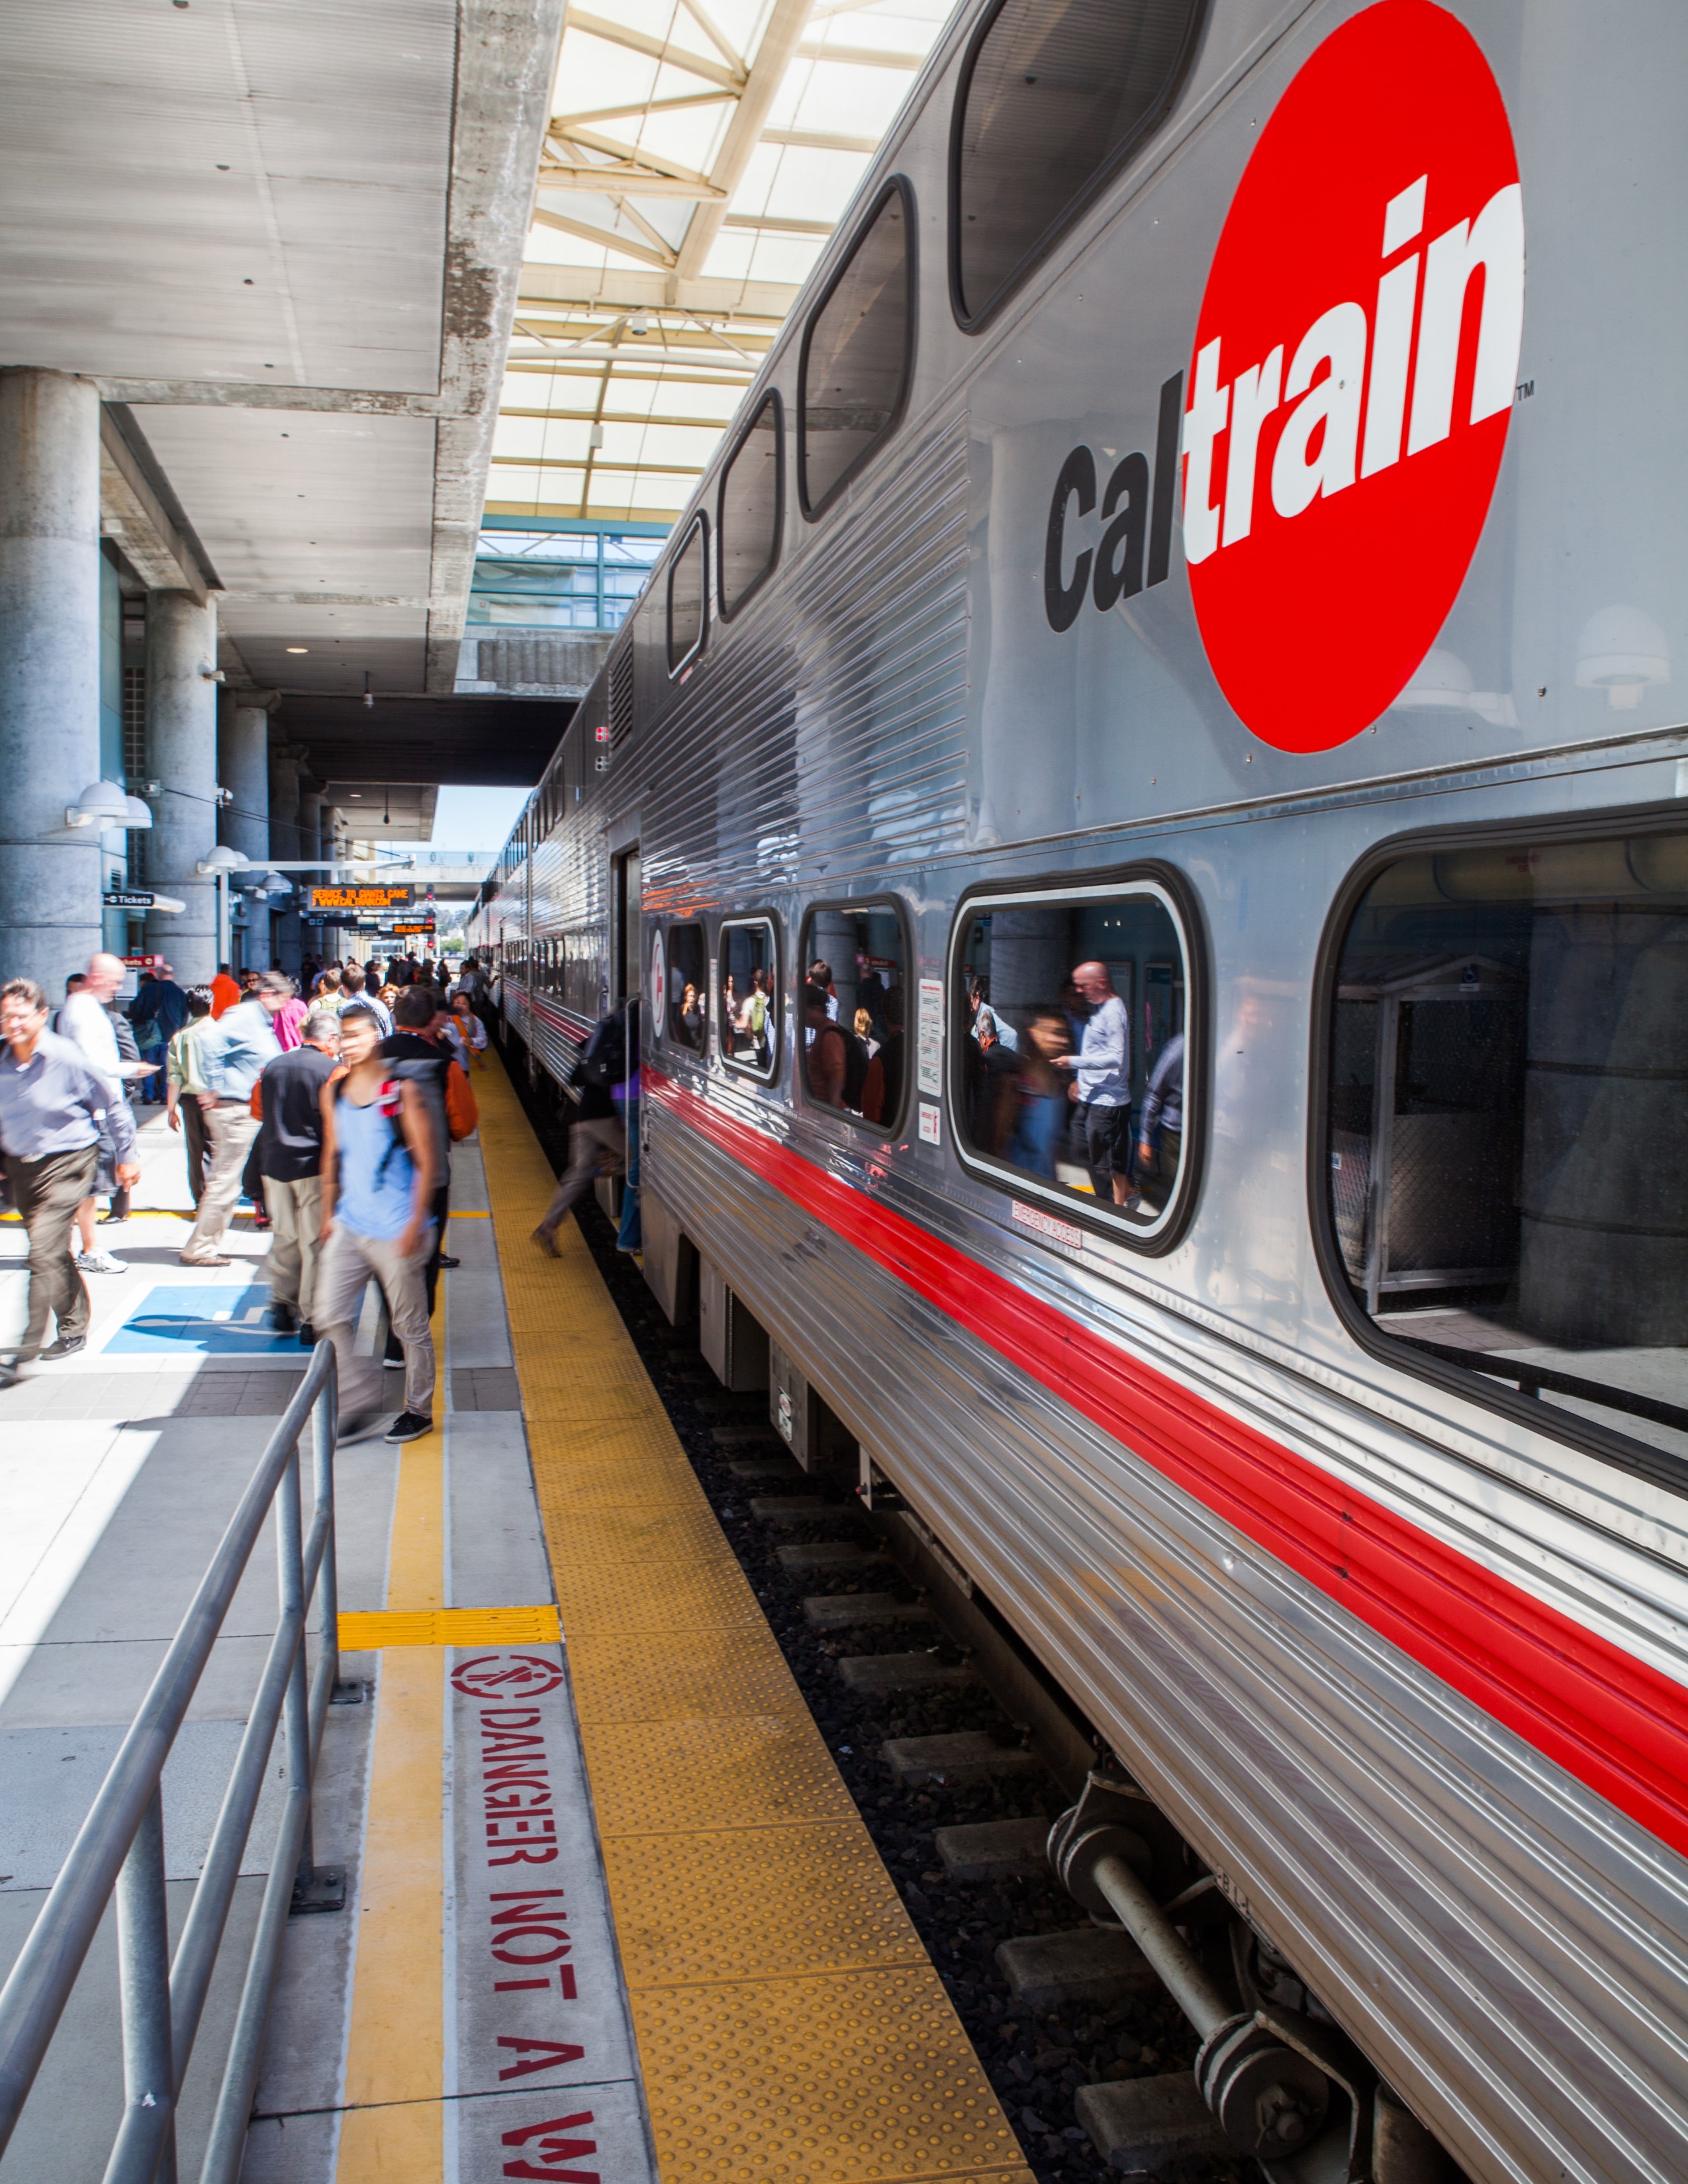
(791, 2028)
(375, 1630)
(394, 2119)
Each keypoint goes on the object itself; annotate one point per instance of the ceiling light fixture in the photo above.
(299, 648)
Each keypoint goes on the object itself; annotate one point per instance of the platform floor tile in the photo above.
(633, 1676)
(791, 2029)
(835, 2079)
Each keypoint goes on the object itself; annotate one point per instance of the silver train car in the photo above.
(1143, 801)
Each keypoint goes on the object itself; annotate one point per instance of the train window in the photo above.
(1071, 1029)
(1053, 96)
(854, 371)
(856, 1021)
(688, 1009)
(750, 508)
(687, 589)
(748, 1013)
(1506, 1158)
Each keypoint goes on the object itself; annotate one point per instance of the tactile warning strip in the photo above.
(374, 1630)
(791, 2028)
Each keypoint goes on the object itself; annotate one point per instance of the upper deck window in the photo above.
(854, 371)
(687, 589)
(1505, 1153)
(750, 508)
(1053, 96)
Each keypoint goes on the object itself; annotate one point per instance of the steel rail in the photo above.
(119, 1846)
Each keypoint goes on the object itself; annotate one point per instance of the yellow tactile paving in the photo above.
(594, 1596)
(622, 1676)
(712, 1771)
(375, 1630)
(791, 2029)
(741, 1883)
(832, 2080)
(641, 1482)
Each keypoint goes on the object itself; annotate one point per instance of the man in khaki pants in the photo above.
(290, 1161)
(233, 1052)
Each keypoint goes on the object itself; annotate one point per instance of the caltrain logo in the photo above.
(1351, 380)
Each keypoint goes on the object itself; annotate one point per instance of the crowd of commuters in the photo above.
(330, 1102)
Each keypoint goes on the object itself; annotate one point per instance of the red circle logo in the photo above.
(506, 1676)
(1353, 375)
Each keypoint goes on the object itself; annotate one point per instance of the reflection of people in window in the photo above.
(756, 1018)
(1161, 1132)
(1102, 1072)
(820, 975)
(989, 1028)
(826, 1047)
(691, 1016)
(864, 1032)
(1040, 1120)
(882, 1095)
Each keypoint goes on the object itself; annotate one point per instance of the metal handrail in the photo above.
(120, 1846)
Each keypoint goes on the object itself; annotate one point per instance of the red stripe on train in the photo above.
(1615, 1722)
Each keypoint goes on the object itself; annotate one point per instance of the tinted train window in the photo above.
(855, 1011)
(1054, 95)
(749, 511)
(688, 583)
(855, 354)
(688, 1009)
(750, 996)
(1508, 1143)
(1070, 1023)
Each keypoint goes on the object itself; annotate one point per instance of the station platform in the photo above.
(610, 1912)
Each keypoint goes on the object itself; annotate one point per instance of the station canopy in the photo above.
(699, 153)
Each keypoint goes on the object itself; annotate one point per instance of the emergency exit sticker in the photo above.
(929, 1132)
(931, 1051)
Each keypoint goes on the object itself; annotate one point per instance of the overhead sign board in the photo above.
(363, 898)
(128, 898)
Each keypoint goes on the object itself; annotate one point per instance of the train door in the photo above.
(624, 953)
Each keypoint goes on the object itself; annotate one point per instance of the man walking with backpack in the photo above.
(379, 1150)
(289, 1153)
(598, 1143)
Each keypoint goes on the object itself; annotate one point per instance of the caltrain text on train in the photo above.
(1353, 372)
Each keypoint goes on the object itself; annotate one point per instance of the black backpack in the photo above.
(604, 1060)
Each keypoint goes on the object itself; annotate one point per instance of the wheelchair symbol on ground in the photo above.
(214, 1320)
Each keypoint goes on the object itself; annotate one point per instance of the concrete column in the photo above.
(285, 838)
(182, 757)
(49, 673)
(243, 771)
(311, 818)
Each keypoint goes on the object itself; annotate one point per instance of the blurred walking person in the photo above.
(233, 1053)
(597, 1142)
(183, 1085)
(53, 1107)
(378, 1147)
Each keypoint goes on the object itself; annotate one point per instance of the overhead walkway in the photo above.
(612, 1912)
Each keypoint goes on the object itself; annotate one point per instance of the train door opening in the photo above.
(624, 968)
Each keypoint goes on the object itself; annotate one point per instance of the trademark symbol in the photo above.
(1523, 390)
